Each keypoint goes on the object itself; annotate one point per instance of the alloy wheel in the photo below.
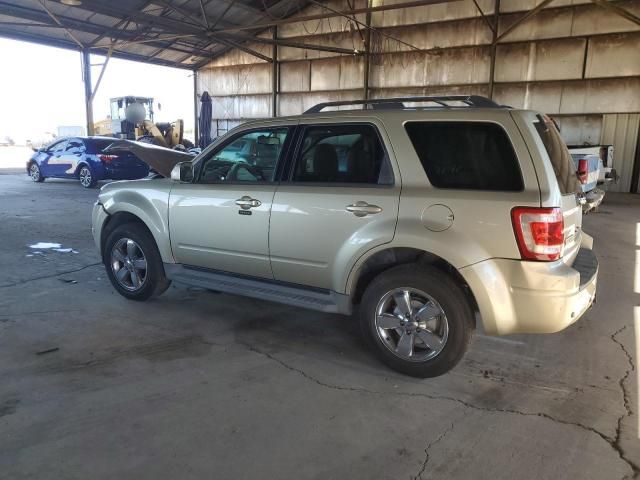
(85, 177)
(411, 324)
(34, 172)
(128, 264)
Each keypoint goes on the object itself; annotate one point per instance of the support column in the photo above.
(367, 54)
(635, 170)
(275, 74)
(196, 125)
(86, 79)
(494, 46)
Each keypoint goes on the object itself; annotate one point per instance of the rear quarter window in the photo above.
(97, 146)
(466, 155)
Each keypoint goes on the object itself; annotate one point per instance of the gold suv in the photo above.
(426, 214)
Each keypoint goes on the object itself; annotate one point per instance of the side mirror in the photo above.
(182, 172)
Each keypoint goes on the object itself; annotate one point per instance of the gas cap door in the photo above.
(437, 217)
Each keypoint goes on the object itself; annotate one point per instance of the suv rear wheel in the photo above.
(133, 263)
(417, 320)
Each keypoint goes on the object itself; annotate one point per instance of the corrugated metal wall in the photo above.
(621, 131)
(574, 60)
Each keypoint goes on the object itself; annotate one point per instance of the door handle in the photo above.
(362, 209)
(247, 202)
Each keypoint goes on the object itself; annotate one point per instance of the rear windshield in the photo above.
(561, 161)
(466, 155)
(100, 145)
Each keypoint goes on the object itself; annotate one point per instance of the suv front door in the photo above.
(220, 221)
(340, 200)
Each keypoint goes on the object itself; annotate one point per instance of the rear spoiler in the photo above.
(160, 159)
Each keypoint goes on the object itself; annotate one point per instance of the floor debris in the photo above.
(49, 350)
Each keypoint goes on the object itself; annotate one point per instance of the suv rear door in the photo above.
(339, 199)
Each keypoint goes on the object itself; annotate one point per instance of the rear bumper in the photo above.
(128, 173)
(515, 296)
(594, 199)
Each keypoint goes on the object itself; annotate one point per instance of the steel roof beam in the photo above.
(59, 23)
(70, 45)
(333, 14)
(92, 28)
(618, 10)
(522, 19)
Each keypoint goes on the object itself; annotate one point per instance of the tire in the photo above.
(86, 177)
(151, 279)
(438, 337)
(35, 173)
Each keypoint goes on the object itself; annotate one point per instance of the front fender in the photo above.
(149, 201)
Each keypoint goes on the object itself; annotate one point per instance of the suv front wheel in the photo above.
(133, 262)
(417, 320)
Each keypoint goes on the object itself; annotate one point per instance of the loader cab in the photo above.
(127, 113)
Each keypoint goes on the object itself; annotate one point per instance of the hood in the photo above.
(160, 159)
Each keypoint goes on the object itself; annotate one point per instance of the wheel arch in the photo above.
(387, 258)
(83, 163)
(121, 217)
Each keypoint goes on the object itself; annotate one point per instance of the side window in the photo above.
(60, 147)
(74, 147)
(251, 157)
(342, 154)
(466, 155)
(57, 147)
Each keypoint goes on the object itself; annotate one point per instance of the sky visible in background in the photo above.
(41, 88)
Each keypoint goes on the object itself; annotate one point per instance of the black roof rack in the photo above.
(473, 101)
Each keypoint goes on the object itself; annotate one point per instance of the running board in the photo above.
(314, 299)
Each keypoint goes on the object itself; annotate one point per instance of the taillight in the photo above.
(107, 158)
(583, 170)
(539, 232)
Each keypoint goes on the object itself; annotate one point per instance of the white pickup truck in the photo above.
(594, 166)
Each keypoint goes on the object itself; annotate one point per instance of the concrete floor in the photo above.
(202, 385)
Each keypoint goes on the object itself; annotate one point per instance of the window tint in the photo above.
(57, 147)
(100, 145)
(74, 146)
(342, 154)
(466, 155)
(561, 161)
(252, 157)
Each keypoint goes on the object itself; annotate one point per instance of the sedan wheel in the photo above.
(129, 264)
(411, 324)
(86, 179)
(34, 173)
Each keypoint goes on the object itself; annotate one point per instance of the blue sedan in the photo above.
(83, 158)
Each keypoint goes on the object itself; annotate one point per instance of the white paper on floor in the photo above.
(56, 247)
(45, 245)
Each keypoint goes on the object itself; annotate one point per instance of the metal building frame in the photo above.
(190, 34)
